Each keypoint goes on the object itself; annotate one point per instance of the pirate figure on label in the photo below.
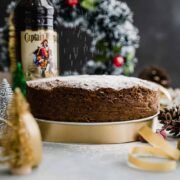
(42, 57)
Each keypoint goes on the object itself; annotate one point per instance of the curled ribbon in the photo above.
(159, 148)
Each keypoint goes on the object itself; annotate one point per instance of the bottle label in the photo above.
(39, 53)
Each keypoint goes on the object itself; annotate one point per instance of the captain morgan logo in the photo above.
(39, 53)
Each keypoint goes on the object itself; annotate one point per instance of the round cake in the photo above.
(92, 98)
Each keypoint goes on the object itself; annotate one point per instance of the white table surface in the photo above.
(89, 162)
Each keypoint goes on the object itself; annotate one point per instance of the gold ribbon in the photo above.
(159, 148)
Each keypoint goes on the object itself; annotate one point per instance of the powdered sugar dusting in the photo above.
(92, 82)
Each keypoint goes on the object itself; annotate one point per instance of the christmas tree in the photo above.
(19, 79)
(21, 144)
(16, 144)
(115, 39)
(5, 97)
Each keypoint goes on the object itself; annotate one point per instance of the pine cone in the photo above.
(170, 118)
(157, 75)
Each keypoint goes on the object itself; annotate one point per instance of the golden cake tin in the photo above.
(93, 133)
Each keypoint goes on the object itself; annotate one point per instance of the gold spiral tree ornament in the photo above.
(21, 142)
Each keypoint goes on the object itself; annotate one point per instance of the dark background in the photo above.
(159, 25)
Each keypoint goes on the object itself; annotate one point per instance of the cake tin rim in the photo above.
(98, 123)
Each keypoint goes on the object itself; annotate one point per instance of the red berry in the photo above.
(118, 61)
(72, 3)
(162, 133)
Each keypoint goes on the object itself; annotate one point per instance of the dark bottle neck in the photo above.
(34, 14)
